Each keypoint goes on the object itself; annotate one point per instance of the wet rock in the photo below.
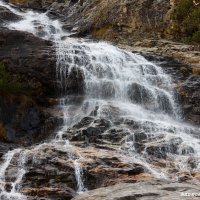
(161, 148)
(140, 137)
(133, 171)
(6, 15)
(50, 193)
(94, 132)
(86, 121)
(133, 124)
(192, 162)
(109, 171)
(49, 174)
(102, 124)
(75, 82)
(139, 94)
(189, 92)
(164, 103)
(31, 61)
(5, 147)
(139, 147)
(115, 135)
(185, 150)
(88, 130)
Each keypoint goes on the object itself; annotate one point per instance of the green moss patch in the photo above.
(9, 83)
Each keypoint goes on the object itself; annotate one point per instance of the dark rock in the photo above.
(30, 58)
(139, 94)
(30, 119)
(6, 15)
(5, 147)
(133, 171)
(161, 149)
(10, 133)
(75, 82)
(94, 132)
(88, 130)
(24, 123)
(140, 137)
(115, 135)
(187, 150)
(133, 124)
(139, 147)
(102, 124)
(164, 103)
(192, 162)
(86, 121)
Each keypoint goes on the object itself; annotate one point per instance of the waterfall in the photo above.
(126, 88)
(14, 194)
(113, 84)
(79, 177)
(7, 159)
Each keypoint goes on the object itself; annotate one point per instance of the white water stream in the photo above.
(122, 85)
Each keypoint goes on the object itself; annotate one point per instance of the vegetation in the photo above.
(7, 82)
(186, 26)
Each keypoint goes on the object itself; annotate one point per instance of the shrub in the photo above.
(186, 22)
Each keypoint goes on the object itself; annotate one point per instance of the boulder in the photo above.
(88, 130)
(154, 189)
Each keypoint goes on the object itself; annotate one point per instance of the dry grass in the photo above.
(196, 70)
(18, 1)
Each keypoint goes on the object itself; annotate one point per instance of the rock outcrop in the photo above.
(30, 59)
(50, 170)
(24, 122)
(116, 20)
(143, 190)
(30, 64)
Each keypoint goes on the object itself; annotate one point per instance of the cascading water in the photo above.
(14, 193)
(126, 88)
(116, 85)
(79, 176)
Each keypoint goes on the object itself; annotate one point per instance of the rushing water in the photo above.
(119, 86)
(14, 193)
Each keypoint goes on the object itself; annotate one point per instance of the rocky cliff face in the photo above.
(124, 21)
(116, 20)
(30, 64)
